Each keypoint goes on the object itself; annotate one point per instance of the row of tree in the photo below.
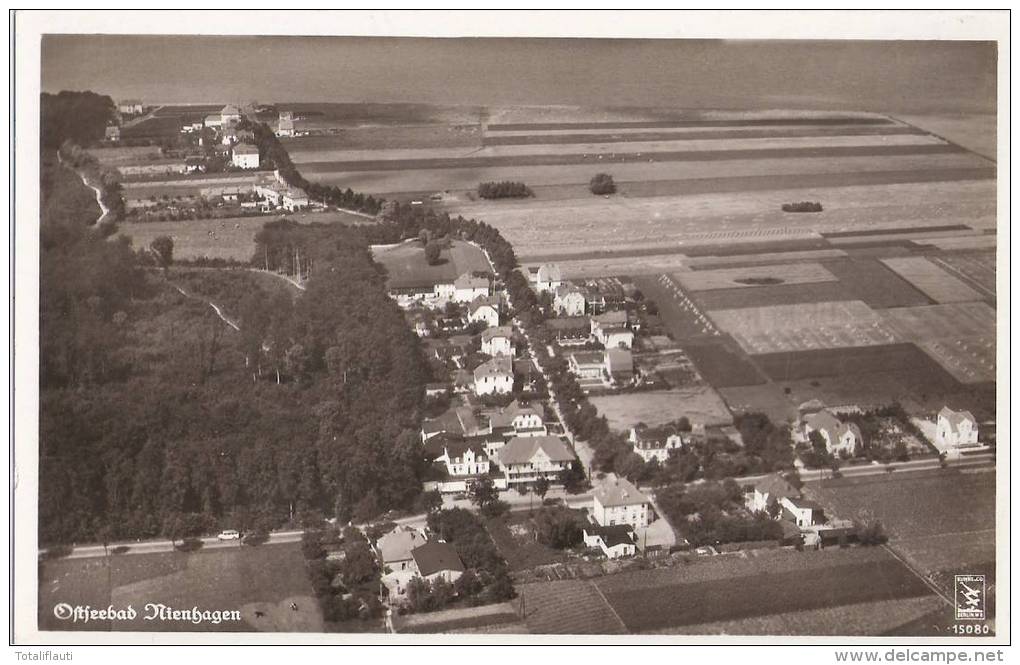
(505, 189)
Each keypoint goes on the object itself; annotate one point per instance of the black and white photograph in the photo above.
(387, 328)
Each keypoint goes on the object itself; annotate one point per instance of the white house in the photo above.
(614, 541)
(285, 126)
(655, 442)
(587, 364)
(230, 115)
(464, 458)
(619, 366)
(467, 287)
(294, 199)
(525, 459)
(130, 107)
(484, 309)
(569, 301)
(617, 501)
(498, 341)
(611, 330)
(954, 429)
(839, 436)
(765, 490)
(518, 419)
(214, 121)
(437, 559)
(548, 278)
(801, 512)
(245, 156)
(495, 376)
(394, 548)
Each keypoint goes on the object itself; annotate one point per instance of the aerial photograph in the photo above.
(519, 336)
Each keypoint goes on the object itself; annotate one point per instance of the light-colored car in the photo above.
(229, 534)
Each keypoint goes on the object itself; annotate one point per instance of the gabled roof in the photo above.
(955, 418)
(521, 449)
(436, 556)
(619, 361)
(455, 449)
(806, 504)
(497, 331)
(619, 492)
(230, 109)
(824, 421)
(398, 544)
(614, 318)
(588, 357)
(617, 534)
(658, 434)
(564, 290)
(484, 301)
(506, 416)
(549, 272)
(245, 149)
(498, 366)
(468, 281)
(776, 486)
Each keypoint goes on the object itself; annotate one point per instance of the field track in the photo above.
(664, 124)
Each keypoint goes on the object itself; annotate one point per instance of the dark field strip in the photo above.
(909, 229)
(667, 156)
(540, 139)
(732, 249)
(765, 593)
(652, 188)
(663, 124)
(722, 365)
(906, 359)
(873, 282)
(204, 109)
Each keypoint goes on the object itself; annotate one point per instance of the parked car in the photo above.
(229, 534)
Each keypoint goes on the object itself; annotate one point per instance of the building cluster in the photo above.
(619, 509)
(406, 553)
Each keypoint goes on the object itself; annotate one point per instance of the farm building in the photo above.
(484, 309)
(498, 341)
(955, 429)
(839, 436)
(467, 287)
(246, 156)
(569, 301)
(548, 277)
(655, 442)
(617, 501)
(525, 459)
(769, 489)
(614, 541)
(495, 376)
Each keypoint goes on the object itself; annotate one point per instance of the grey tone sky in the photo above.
(905, 77)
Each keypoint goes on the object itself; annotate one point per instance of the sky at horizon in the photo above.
(890, 76)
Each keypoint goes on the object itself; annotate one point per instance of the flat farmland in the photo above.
(974, 131)
(805, 326)
(406, 266)
(942, 522)
(667, 134)
(976, 269)
(382, 139)
(723, 363)
(903, 358)
(701, 405)
(872, 282)
(754, 276)
(935, 282)
(769, 295)
(746, 586)
(572, 607)
(960, 336)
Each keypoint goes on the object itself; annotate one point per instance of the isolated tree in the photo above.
(483, 493)
(163, 246)
(602, 183)
(541, 486)
(432, 252)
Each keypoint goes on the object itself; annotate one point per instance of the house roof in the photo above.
(805, 504)
(588, 357)
(462, 378)
(619, 492)
(614, 318)
(568, 323)
(955, 418)
(245, 149)
(456, 448)
(398, 544)
(549, 272)
(129, 102)
(484, 301)
(619, 361)
(564, 290)
(521, 449)
(230, 109)
(469, 281)
(776, 486)
(617, 534)
(506, 416)
(497, 331)
(811, 406)
(498, 366)
(436, 556)
(658, 434)
(825, 421)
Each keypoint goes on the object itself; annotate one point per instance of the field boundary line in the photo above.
(942, 535)
(609, 605)
(931, 585)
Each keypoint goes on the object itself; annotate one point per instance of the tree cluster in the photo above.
(712, 513)
(504, 190)
(78, 117)
(802, 206)
(467, 534)
(602, 184)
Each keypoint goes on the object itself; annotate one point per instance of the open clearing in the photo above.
(806, 326)
(939, 285)
(751, 277)
(942, 522)
(747, 585)
(699, 405)
(960, 336)
(406, 266)
(249, 579)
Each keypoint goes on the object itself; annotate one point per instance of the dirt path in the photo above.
(215, 307)
(286, 278)
(99, 194)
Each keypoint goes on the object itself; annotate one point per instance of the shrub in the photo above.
(802, 206)
(504, 190)
(602, 183)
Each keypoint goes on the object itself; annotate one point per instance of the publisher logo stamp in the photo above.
(970, 597)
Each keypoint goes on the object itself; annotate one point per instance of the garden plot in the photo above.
(960, 336)
(805, 326)
(699, 405)
(797, 273)
(935, 282)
